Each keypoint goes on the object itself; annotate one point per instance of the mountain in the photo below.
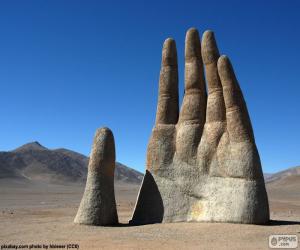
(30, 146)
(267, 176)
(287, 181)
(284, 187)
(285, 184)
(289, 173)
(33, 161)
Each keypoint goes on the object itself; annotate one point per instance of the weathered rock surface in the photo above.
(202, 163)
(98, 205)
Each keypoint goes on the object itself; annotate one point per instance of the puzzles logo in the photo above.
(283, 241)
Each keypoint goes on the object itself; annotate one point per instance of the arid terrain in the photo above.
(42, 212)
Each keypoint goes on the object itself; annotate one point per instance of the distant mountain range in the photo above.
(284, 187)
(285, 182)
(33, 161)
(285, 174)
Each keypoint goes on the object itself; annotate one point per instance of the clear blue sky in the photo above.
(69, 67)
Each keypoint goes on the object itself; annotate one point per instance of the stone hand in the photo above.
(202, 162)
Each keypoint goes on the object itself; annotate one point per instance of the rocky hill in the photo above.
(33, 161)
(285, 174)
(285, 183)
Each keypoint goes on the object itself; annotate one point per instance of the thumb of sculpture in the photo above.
(98, 204)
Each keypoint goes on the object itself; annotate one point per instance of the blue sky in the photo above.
(69, 67)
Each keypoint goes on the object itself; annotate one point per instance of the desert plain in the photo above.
(35, 212)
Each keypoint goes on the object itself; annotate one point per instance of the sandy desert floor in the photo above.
(43, 214)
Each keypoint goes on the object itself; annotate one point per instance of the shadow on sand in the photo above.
(271, 223)
(282, 223)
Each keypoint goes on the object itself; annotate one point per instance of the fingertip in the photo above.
(208, 32)
(169, 54)
(103, 132)
(192, 32)
(207, 36)
(192, 44)
(168, 43)
(223, 59)
(210, 51)
(225, 68)
(104, 138)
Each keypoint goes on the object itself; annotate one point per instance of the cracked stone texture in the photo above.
(98, 205)
(202, 163)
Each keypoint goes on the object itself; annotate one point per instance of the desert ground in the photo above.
(39, 213)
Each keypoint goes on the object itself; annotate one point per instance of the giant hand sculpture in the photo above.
(202, 163)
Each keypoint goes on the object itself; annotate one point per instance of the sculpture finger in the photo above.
(192, 114)
(237, 117)
(98, 205)
(167, 108)
(194, 101)
(215, 110)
